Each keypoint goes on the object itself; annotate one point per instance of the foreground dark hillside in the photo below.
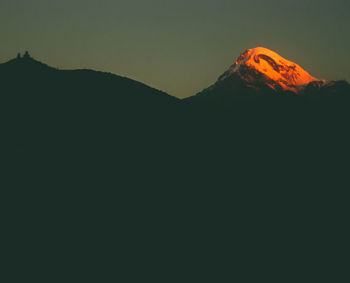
(91, 154)
(80, 124)
(50, 113)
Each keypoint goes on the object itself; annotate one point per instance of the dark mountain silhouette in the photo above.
(95, 162)
(39, 79)
(46, 108)
(88, 115)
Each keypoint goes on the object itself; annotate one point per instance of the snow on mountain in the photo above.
(279, 73)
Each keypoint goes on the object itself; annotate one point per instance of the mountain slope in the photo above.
(65, 112)
(285, 74)
(261, 72)
(26, 75)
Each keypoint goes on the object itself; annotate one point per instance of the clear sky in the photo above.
(178, 46)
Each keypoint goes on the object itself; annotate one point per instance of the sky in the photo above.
(182, 46)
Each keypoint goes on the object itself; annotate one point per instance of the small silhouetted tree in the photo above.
(26, 55)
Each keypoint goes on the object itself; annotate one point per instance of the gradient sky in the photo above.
(177, 46)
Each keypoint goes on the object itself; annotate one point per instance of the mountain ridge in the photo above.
(29, 68)
(256, 72)
(260, 72)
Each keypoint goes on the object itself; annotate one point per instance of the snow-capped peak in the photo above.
(288, 75)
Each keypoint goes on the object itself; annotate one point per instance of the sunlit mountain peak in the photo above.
(279, 72)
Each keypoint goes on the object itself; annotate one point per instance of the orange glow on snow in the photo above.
(287, 74)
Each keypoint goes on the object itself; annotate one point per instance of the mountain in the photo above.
(61, 114)
(52, 115)
(275, 71)
(98, 162)
(97, 142)
(260, 72)
(29, 77)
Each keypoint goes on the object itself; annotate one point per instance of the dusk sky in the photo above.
(181, 46)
